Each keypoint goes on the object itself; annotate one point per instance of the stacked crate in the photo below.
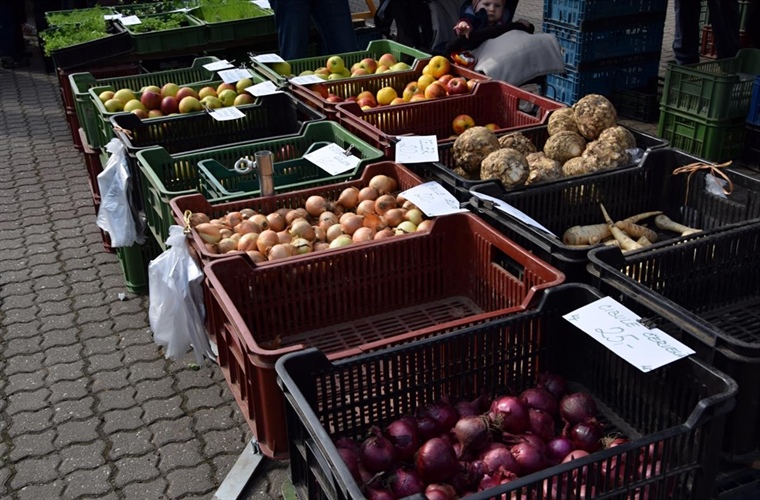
(752, 139)
(708, 48)
(608, 47)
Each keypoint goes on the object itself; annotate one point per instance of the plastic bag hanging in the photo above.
(116, 215)
(176, 309)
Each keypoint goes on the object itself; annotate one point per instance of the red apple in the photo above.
(471, 84)
(445, 78)
(435, 90)
(140, 113)
(185, 92)
(150, 99)
(492, 127)
(321, 89)
(418, 97)
(398, 100)
(367, 95)
(457, 86)
(334, 98)
(366, 102)
(462, 123)
(155, 113)
(369, 64)
(351, 98)
(169, 105)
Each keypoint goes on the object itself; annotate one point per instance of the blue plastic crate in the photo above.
(576, 12)
(573, 85)
(585, 46)
(753, 117)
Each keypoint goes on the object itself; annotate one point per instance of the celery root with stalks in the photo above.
(626, 243)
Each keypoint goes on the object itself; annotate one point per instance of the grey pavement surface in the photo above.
(89, 407)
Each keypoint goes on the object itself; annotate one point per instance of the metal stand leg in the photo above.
(234, 485)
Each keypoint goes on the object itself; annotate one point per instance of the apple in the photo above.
(355, 66)
(351, 98)
(457, 86)
(189, 104)
(227, 96)
(424, 81)
(185, 92)
(224, 86)
(306, 72)
(426, 69)
(492, 127)
(445, 78)
(387, 60)
(336, 76)
(411, 89)
(462, 123)
(133, 105)
(155, 113)
(169, 105)
(106, 95)
(366, 108)
(400, 66)
(169, 89)
(243, 84)
(321, 75)
(334, 98)
(281, 68)
(140, 113)
(124, 95)
(366, 95)
(151, 100)
(366, 102)
(398, 100)
(243, 99)
(211, 102)
(114, 105)
(322, 71)
(418, 97)
(359, 72)
(205, 92)
(320, 89)
(346, 73)
(369, 64)
(385, 95)
(382, 69)
(335, 64)
(471, 84)
(152, 88)
(435, 90)
(439, 66)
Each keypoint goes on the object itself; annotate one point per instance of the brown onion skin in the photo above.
(384, 203)
(315, 205)
(349, 198)
(384, 233)
(368, 193)
(366, 207)
(276, 222)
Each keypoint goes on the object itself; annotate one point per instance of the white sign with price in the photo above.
(130, 20)
(264, 4)
(216, 66)
(433, 199)
(306, 79)
(225, 114)
(333, 159)
(512, 211)
(617, 328)
(263, 88)
(417, 149)
(234, 75)
(268, 58)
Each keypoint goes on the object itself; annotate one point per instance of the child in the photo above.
(481, 20)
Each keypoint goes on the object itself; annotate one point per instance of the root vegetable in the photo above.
(227, 245)
(301, 229)
(296, 214)
(301, 245)
(248, 242)
(363, 234)
(366, 207)
(198, 218)
(415, 216)
(319, 233)
(467, 175)
(640, 217)
(507, 165)
(586, 235)
(593, 114)
(564, 145)
(368, 193)
(350, 224)
(562, 119)
(284, 236)
(248, 226)
(517, 141)
(281, 251)
(425, 225)
(225, 233)
(665, 223)
(316, 205)
(211, 248)
(574, 166)
(601, 155)
(383, 184)
(384, 233)
(208, 232)
(619, 135)
(266, 240)
(394, 217)
(637, 231)
(349, 198)
(644, 241)
(247, 213)
(333, 232)
(384, 203)
(327, 219)
(256, 256)
(542, 168)
(341, 241)
(321, 245)
(405, 227)
(472, 147)
(626, 243)
(234, 218)
(374, 222)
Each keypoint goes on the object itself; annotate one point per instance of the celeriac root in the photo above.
(667, 224)
(626, 243)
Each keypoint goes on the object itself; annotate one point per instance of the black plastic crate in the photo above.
(641, 104)
(118, 42)
(679, 409)
(709, 285)
(752, 145)
(738, 483)
(651, 186)
(442, 172)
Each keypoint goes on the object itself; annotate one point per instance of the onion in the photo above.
(211, 248)
(384, 233)
(341, 241)
(248, 226)
(198, 218)
(300, 228)
(296, 214)
(366, 207)
(327, 219)
(363, 234)
(267, 239)
(528, 458)
(405, 227)
(315, 205)
(281, 251)
(351, 460)
(379, 494)
(368, 193)
(408, 205)
(283, 212)
(394, 217)
(444, 415)
(611, 467)
(248, 242)
(349, 198)
(509, 414)
(403, 437)
(301, 245)
(383, 184)
(347, 442)
(558, 448)
(333, 232)
(234, 218)
(377, 453)
(531, 439)
(384, 203)
(468, 408)
(587, 435)
(226, 245)
(438, 491)
(425, 225)
(350, 224)
(225, 233)
(321, 245)
(276, 222)
(577, 407)
(319, 233)
(414, 216)
(256, 256)
(261, 220)
(541, 424)
(247, 213)
(374, 222)
(541, 399)
(209, 233)
(555, 384)
(472, 433)
(496, 456)
(404, 483)
(574, 455)
(284, 237)
(400, 200)
(436, 461)
(476, 470)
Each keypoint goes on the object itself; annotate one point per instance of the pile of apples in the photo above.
(335, 67)
(171, 99)
(463, 122)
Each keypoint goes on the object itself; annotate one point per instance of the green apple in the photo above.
(281, 68)
(227, 97)
(243, 84)
(114, 105)
(124, 95)
(335, 64)
(133, 105)
(322, 76)
(170, 89)
(212, 102)
(306, 72)
(336, 76)
(243, 98)
(106, 95)
(206, 92)
(152, 88)
(189, 104)
(400, 66)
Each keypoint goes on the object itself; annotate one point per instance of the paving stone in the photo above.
(25, 363)
(117, 399)
(5, 473)
(93, 315)
(80, 289)
(175, 455)
(223, 464)
(189, 481)
(153, 389)
(42, 491)
(222, 441)
(126, 443)
(25, 382)
(65, 371)
(77, 432)
(22, 346)
(172, 431)
(14, 288)
(59, 338)
(213, 419)
(20, 315)
(130, 322)
(158, 409)
(105, 380)
(83, 456)
(32, 445)
(188, 379)
(34, 421)
(73, 410)
(109, 361)
(152, 489)
(208, 397)
(139, 336)
(95, 330)
(104, 345)
(148, 352)
(59, 322)
(88, 482)
(55, 281)
(122, 420)
(35, 470)
(52, 295)
(70, 389)
(55, 308)
(132, 469)
(146, 371)
(67, 354)
(28, 401)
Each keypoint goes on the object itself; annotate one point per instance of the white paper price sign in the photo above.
(512, 211)
(264, 4)
(306, 79)
(433, 199)
(234, 75)
(109, 17)
(617, 328)
(268, 58)
(263, 88)
(225, 114)
(417, 149)
(216, 66)
(130, 20)
(333, 159)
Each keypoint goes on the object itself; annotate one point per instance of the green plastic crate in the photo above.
(134, 262)
(164, 176)
(716, 90)
(375, 49)
(81, 83)
(146, 9)
(239, 29)
(104, 129)
(107, 11)
(191, 35)
(712, 140)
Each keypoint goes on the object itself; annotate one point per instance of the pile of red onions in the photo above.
(448, 451)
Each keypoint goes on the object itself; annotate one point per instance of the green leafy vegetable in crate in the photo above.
(148, 9)
(214, 11)
(92, 16)
(159, 23)
(64, 36)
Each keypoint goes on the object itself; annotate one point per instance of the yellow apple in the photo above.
(385, 95)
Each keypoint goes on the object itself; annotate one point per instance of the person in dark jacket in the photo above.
(481, 20)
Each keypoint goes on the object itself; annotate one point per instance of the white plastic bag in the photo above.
(115, 214)
(176, 309)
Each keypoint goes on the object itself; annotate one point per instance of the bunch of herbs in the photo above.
(159, 23)
(89, 17)
(215, 11)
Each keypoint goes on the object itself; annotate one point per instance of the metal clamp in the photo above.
(264, 167)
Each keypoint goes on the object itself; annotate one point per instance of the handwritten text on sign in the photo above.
(432, 199)
(333, 159)
(617, 328)
(216, 66)
(306, 79)
(417, 149)
(234, 75)
(268, 58)
(224, 114)
(263, 88)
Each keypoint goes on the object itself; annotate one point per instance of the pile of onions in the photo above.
(447, 450)
(375, 212)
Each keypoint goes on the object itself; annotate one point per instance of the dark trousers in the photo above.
(333, 20)
(724, 18)
(12, 14)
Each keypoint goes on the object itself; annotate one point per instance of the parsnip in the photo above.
(639, 217)
(644, 241)
(586, 235)
(667, 224)
(637, 231)
(626, 243)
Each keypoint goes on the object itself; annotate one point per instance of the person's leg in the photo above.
(686, 39)
(293, 21)
(11, 37)
(725, 19)
(333, 20)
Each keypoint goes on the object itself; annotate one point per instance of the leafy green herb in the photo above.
(159, 23)
(84, 16)
(141, 10)
(214, 11)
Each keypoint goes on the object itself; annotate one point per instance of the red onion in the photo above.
(477, 469)
(438, 491)
(467, 408)
(377, 453)
(496, 479)
(404, 483)
(577, 407)
(496, 456)
(558, 448)
(436, 461)
(427, 428)
(351, 460)
(587, 436)
(379, 494)
(347, 442)
(367, 476)
(574, 455)
(611, 468)
(555, 384)
(528, 458)
(541, 424)
(443, 414)
(404, 439)
(509, 414)
(540, 399)
(472, 433)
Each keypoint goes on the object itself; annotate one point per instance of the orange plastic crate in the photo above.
(358, 299)
(490, 102)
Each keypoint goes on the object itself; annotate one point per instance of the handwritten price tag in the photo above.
(512, 211)
(263, 88)
(433, 199)
(268, 58)
(417, 149)
(225, 114)
(332, 159)
(617, 328)
(306, 79)
(130, 20)
(216, 66)
(234, 75)
(264, 4)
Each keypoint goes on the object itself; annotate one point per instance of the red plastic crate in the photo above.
(490, 102)
(73, 122)
(198, 203)
(94, 167)
(708, 48)
(353, 86)
(358, 299)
